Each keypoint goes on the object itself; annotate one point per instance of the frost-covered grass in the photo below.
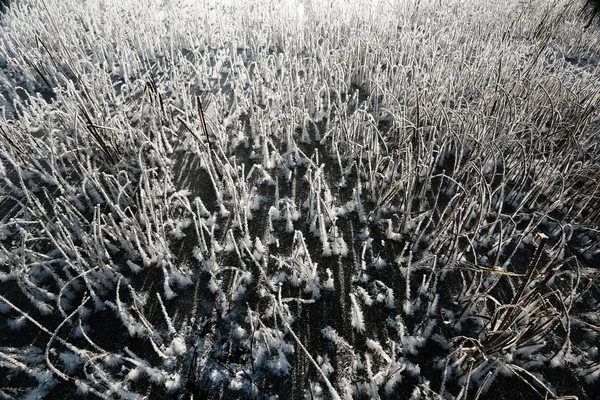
(303, 199)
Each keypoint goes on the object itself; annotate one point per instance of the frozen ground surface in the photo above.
(299, 199)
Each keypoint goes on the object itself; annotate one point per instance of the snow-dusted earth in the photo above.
(299, 199)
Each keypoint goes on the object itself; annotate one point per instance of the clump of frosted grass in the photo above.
(219, 181)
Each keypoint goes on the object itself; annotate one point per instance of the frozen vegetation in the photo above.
(299, 199)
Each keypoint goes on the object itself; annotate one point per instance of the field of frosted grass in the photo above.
(299, 199)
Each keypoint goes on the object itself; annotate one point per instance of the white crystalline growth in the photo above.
(356, 315)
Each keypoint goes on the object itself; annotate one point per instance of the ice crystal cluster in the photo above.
(294, 199)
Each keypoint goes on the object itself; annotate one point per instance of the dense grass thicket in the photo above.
(299, 199)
